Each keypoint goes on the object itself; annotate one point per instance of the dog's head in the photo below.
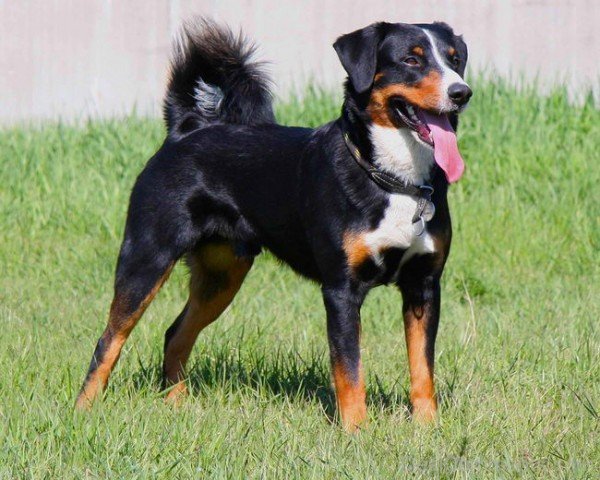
(406, 77)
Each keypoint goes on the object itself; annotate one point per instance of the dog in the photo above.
(356, 203)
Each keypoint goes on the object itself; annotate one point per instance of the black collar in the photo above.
(387, 181)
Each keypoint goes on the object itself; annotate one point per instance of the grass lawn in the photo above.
(518, 357)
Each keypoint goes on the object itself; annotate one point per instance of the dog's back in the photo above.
(215, 80)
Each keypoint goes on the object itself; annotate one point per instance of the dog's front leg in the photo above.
(421, 317)
(343, 330)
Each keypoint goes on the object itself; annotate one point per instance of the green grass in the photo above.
(518, 357)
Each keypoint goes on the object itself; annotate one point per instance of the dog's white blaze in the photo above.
(396, 230)
(449, 76)
(400, 152)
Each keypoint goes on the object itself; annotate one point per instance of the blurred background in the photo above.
(68, 59)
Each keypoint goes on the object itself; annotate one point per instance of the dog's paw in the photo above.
(176, 394)
(424, 410)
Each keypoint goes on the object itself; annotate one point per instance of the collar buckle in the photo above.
(419, 226)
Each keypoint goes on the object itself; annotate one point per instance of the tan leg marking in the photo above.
(422, 394)
(350, 396)
(116, 333)
(214, 263)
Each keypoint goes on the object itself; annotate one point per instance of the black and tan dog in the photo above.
(353, 204)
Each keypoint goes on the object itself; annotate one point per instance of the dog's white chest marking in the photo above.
(396, 230)
(402, 154)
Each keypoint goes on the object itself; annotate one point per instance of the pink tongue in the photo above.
(445, 148)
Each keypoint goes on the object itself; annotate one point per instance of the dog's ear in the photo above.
(358, 53)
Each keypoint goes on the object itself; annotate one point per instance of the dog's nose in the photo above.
(460, 93)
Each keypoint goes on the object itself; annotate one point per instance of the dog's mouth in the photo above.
(435, 130)
(412, 117)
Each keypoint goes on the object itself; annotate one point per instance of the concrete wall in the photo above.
(74, 58)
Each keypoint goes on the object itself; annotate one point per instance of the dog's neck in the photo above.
(395, 151)
(398, 152)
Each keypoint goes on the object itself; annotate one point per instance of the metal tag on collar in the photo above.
(428, 211)
(419, 226)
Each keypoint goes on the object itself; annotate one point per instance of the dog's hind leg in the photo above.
(142, 269)
(216, 276)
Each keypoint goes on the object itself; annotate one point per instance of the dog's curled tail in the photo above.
(215, 80)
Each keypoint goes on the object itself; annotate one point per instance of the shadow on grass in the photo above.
(277, 375)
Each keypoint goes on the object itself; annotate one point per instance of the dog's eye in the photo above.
(455, 61)
(412, 61)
